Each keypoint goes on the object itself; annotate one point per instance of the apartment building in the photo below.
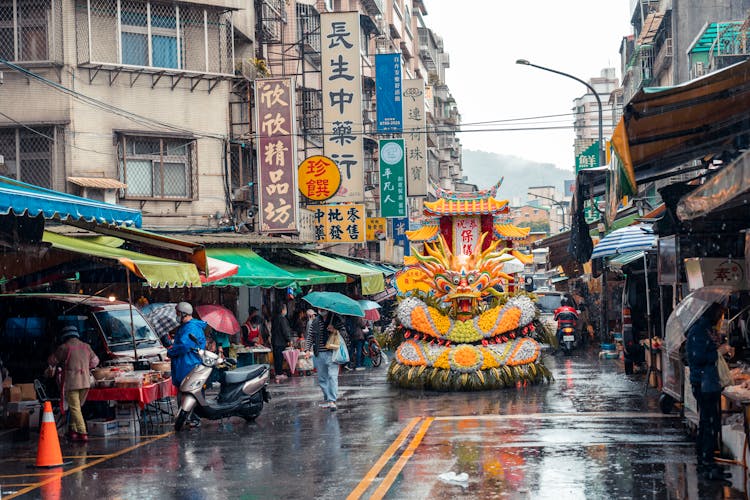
(122, 101)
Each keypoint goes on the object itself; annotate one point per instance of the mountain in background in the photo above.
(485, 169)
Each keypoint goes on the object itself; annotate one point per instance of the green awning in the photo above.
(372, 280)
(157, 271)
(313, 276)
(625, 259)
(254, 270)
(375, 266)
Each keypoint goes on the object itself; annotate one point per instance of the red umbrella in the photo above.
(219, 318)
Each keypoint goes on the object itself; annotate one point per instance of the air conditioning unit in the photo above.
(699, 69)
(241, 195)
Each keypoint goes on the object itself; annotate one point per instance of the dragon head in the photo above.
(462, 280)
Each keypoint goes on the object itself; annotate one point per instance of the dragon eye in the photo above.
(456, 280)
(471, 279)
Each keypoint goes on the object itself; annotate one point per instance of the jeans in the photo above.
(75, 400)
(328, 375)
(359, 352)
(709, 424)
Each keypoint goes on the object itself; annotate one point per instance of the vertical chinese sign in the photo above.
(399, 228)
(415, 138)
(392, 178)
(339, 223)
(388, 93)
(465, 234)
(277, 155)
(342, 101)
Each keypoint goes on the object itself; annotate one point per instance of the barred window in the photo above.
(308, 27)
(156, 168)
(311, 117)
(24, 30)
(28, 155)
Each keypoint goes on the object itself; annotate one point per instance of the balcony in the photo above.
(639, 72)
(428, 49)
(663, 59)
(374, 7)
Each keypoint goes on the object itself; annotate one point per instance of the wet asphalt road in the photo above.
(589, 434)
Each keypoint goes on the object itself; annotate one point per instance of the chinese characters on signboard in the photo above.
(392, 178)
(399, 227)
(277, 154)
(465, 234)
(342, 101)
(388, 93)
(376, 227)
(318, 177)
(339, 223)
(589, 158)
(415, 139)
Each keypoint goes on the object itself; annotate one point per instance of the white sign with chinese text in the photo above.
(465, 234)
(342, 101)
(415, 138)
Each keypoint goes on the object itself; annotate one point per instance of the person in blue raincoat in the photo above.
(702, 349)
(181, 354)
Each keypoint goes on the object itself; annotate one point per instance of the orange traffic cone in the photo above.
(48, 454)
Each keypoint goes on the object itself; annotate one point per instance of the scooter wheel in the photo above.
(179, 422)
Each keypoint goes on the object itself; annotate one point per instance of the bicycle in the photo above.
(372, 350)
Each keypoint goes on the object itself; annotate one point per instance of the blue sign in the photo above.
(388, 93)
(399, 226)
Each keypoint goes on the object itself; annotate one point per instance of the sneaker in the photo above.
(325, 404)
(332, 406)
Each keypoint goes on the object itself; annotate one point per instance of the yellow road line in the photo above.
(405, 456)
(86, 466)
(30, 474)
(384, 458)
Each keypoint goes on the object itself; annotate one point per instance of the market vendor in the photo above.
(77, 360)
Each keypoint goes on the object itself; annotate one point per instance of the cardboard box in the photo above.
(28, 393)
(102, 427)
(14, 394)
(33, 408)
(17, 420)
(7, 382)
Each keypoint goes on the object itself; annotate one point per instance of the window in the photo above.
(135, 20)
(155, 167)
(23, 30)
(28, 155)
(311, 116)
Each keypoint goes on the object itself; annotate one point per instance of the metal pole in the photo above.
(132, 327)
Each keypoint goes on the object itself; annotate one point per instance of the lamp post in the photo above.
(603, 320)
(525, 62)
(556, 202)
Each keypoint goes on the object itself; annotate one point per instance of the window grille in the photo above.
(31, 31)
(308, 27)
(29, 156)
(311, 116)
(156, 35)
(156, 168)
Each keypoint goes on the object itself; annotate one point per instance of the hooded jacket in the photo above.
(702, 355)
(182, 357)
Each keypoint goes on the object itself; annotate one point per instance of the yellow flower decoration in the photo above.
(489, 359)
(442, 322)
(465, 358)
(488, 319)
(443, 361)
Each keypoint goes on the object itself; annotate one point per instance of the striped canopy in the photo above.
(640, 237)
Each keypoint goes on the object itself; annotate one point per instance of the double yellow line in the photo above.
(388, 480)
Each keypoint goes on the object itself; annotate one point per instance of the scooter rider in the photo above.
(565, 315)
(181, 353)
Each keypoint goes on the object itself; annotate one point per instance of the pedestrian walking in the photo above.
(281, 338)
(77, 360)
(320, 326)
(702, 353)
(181, 353)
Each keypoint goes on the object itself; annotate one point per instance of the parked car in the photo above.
(30, 325)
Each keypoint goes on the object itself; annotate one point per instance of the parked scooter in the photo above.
(242, 392)
(567, 320)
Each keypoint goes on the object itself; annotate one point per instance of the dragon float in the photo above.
(462, 326)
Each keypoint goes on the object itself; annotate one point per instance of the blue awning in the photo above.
(19, 198)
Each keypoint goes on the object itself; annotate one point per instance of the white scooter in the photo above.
(242, 394)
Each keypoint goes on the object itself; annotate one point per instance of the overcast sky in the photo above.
(485, 37)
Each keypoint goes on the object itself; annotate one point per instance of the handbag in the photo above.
(334, 341)
(725, 376)
(340, 356)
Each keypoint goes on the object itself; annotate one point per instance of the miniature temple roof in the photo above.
(424, 233)
(474, 206)
(511, 232)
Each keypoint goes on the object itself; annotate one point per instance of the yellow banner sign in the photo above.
(339, 223)
(376, 228)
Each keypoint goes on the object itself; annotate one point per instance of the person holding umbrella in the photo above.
(702, 353)
(281, 337)
(320, 325)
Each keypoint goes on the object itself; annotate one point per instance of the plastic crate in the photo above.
(102, 427)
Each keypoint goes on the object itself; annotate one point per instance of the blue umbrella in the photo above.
(640, 237)
(334, 302)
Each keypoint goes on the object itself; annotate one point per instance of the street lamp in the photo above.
(603, 319)
(525, 62)
(556, 202)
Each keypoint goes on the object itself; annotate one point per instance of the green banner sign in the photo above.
(392, 178)
(588, 158)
